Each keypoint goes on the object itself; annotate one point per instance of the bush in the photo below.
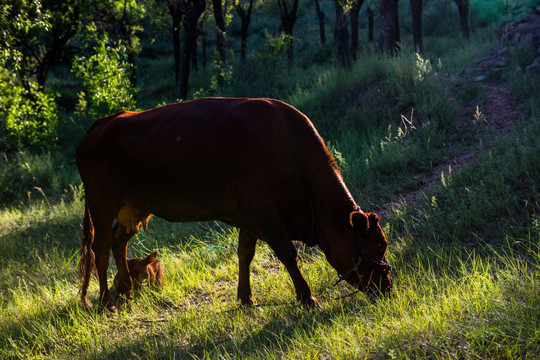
(28, 116)
(105, 75)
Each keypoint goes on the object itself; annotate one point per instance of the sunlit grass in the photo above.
(447, 302)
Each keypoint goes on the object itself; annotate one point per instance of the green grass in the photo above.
(449, 301)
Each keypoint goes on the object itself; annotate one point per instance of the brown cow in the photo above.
(256, 164)
(148, 269)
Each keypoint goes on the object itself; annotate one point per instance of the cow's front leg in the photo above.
(286, 253)
(246, 252)
(120, 243)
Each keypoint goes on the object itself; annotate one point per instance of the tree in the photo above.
(131, 15)
(342, 35)
(321, 15)
(245, 18)
(388, 31)
(176, 12)
(192, 10)
(288, 19)
(416, 8)
(184, 13)
(370, 24)
(120, 20)
(42, 47)
(220, 29)
(463, 9)
(355, 9)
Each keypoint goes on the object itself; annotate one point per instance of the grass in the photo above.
(449, 302)
(466, 256)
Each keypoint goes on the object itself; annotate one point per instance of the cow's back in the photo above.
(205, 159)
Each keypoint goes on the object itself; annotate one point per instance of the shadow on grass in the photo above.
(41, 245)
(229, 338)
(39, 252)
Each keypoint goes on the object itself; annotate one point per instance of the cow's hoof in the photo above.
(108, 306)
(309, 302)
(248, 301)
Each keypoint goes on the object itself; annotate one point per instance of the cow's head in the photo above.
(370, 270)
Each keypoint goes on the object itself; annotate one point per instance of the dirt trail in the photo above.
(499, 111)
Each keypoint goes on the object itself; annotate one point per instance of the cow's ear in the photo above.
(152, 257)
(359, 220)
(373, 220)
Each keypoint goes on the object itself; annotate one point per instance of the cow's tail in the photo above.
(87, 260)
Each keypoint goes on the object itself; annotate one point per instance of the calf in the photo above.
(148, 269)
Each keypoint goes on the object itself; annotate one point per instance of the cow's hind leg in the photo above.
(121, 236)
(102, 247)
(246, 252)
(287, 254)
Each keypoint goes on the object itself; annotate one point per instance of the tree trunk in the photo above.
(65, 20)
(463, 9)
(194, 59)
(53, 56)
(388, 19)
(288, 19)
(342, 36)
(192, 14)
(176, 15)
(321, 16)
(127, 33)
(245, 19)
(204, 60)
(370, 24)
(397, 28)
(416, 8)
(220, 29)
(354, 27)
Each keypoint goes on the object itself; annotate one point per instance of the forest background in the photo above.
(445, 152)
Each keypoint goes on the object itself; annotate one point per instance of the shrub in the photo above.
(105, 75)
(28, 116)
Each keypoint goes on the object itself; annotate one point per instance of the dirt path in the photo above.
(499, 111)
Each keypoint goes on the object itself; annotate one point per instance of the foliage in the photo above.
(18, 19)
(121, 20)
(31, 116)
(104, 73)
(28, 116)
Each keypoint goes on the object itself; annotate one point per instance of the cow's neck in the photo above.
(332, 204)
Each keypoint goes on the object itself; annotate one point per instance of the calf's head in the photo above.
(148, 269)
(370, 270)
